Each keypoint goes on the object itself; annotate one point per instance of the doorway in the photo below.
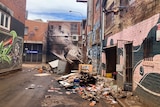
(111, 58)
(32, 53)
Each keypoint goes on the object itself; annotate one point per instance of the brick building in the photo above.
(131, 46)
(94, 33)
(12, 15)
(35, 41)
(62, 37)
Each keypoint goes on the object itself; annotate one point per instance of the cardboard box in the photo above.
(85, 68)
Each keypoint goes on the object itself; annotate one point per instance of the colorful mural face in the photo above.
(60, 43)
(10, 51)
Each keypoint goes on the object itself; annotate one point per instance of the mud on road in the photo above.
(14, 92)
(24, 89)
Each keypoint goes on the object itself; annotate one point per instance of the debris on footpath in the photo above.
(42, 74)
(33, 86)
(56, 100)
(58, 66)
(52, 89)
(88, 86)
(84, 82)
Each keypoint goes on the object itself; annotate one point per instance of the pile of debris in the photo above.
(89, 87)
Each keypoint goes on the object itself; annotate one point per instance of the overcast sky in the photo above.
(56, 10)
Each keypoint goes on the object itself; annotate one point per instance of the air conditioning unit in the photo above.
(75, 38)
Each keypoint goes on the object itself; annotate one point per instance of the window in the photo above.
(75, 38)
(123, 3)
(26, 31)
(74, 28)
(4, 20)
(104, 3)
(147, 49)
(110, 16)
(51, 26)
(60, 28)
(6, 24)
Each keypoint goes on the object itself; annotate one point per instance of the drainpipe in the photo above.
(101, 35)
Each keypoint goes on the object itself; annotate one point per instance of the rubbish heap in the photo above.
(89, 87)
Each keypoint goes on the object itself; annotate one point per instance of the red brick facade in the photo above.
(12, 14)
(18, 7)
(36, 30)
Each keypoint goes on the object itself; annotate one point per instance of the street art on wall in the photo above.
(4, 53)
(10, 51)
(144, 38)
(60, 44)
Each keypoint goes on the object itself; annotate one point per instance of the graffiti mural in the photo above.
(10, 51)
(60, 44)
(145, 63)
(4, 53)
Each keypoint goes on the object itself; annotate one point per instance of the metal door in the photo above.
(128, 70)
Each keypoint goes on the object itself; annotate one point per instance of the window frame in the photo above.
(74, 28)
(110, 16)
(26, 30)
(3, 23)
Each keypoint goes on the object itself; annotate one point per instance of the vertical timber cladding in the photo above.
(32, 53)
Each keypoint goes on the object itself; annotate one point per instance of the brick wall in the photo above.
(138, 33)
(18, 7)
(135, 13)
(139, 11)
(36, 30)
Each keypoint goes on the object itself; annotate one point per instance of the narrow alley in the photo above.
(26, 88)
(80, 53)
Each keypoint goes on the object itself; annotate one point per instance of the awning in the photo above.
(110, 46)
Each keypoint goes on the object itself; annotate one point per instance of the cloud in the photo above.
(56, 9)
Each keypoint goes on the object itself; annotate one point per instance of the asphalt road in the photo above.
(24, 89)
